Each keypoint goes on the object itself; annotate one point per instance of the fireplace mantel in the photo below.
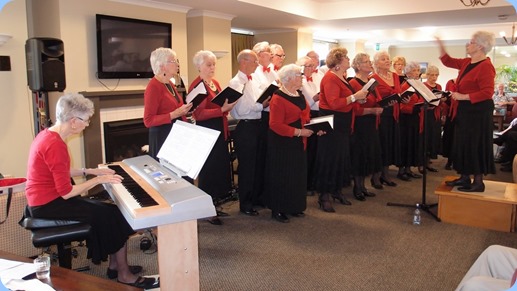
(102, 100)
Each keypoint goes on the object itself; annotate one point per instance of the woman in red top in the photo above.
(332, 167)
(50, 193)
(214, 178)
(473, 107)
(162, 103)
(286, 161)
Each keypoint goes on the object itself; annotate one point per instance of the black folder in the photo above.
(385, 101)
(321, 123)
(267, 93)
(197, 100)
(229, 94)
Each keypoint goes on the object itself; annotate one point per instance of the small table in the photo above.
(65, 279)
(499, 118)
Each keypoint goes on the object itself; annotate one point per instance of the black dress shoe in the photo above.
(341, 198)
(299, 214)
(414, 175)
(112, 274)
(431, 169)
(473, 188)
(280, 217)
(403, 177)
(368, 193)
(215, 221)
(387, 183)
(250, 212)
(144, 283)
(359, 196)
(221, 214)
(462, 182)
(376, 186)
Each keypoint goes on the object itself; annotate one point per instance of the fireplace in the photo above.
(124, 139)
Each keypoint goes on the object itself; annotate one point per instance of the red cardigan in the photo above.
(159, 103)
(282, 113)
(333, 94)
(384, 90)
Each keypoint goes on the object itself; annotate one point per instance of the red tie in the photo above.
(309, 79)
(277, 68)
(315, 71)
(249, 77)
(266, 69)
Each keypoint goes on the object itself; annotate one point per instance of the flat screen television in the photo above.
(124, 46)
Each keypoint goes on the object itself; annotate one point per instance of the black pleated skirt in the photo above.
(389, 133)
(472, 149)
(215, 176)
(365, 147)
(411, 154)
(286, 174)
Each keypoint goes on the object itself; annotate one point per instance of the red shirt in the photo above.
(384, 90)
(159, 103)
(48, 169)
(333, 93)
(283, 113)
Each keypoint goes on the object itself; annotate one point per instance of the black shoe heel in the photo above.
(376, 186)
(387, 183)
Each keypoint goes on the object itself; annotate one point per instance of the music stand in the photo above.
(429, 98)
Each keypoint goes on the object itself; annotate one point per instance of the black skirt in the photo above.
(411, 154)
(332, 168)
(286, 174)
(389, 133)
(215, 176)
(109, 231)
(472, 149)
(365, 146)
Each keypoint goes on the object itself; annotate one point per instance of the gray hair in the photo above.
(159, 58)
(411, 66)
(484, 39)
(303, 61)
(432, 70)
(288, 72)
(261, 47)
(357, 61)
(73, 105)
(201, 56)
(274, 47)
(377, 57)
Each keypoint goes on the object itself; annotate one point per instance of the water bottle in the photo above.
(416, 215)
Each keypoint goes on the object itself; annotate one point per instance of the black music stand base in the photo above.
(423, 207)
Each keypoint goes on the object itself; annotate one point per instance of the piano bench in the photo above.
(48, 232)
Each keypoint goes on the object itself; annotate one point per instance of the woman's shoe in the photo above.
(325, 204)
(376, 186)
(341, 198)
(413, 175)
(462, 182)
(144, 283)
(215, 221)
(359, 196)
(368, 194)
(387, 183)
(112, 274)
(473, 188)
(431, 169)
(403, 177)
(280, 217)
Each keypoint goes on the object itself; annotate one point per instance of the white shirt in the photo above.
(247, 106)
(265, 79)
(309, 89)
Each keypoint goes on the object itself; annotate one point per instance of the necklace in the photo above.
(211, 85)
(289, 92)
(386, 77)
(169, 88)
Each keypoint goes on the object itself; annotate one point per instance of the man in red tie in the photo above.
(278, 56)
(318, 72)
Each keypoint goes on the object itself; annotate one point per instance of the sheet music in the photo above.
(187, 147)
(321, 119)
(425, 92)
(199, 89)
(370, 83)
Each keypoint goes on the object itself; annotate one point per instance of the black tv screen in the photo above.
(124, 46)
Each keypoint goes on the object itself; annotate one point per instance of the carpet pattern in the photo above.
(366, 246)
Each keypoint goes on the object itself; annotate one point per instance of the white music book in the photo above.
(186, 148)
(425, 92)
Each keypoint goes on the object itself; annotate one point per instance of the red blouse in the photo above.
(159, 103)
(385, 90)
(282, 113)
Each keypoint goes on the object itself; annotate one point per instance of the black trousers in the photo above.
(247, 139)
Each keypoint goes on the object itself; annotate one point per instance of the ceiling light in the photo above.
(511, 41)
(469, 3)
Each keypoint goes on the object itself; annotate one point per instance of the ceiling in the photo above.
(400, 22)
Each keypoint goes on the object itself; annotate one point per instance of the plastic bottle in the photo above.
(416, 215)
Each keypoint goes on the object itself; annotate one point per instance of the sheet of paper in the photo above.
(425, 92)
(27, 285)
(19, 271)
(187, 147)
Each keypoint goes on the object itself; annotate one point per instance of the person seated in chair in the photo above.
(508, 141)
(51, 195)
(494, 269)
(501, 100)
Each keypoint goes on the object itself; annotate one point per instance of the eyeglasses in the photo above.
(366, 62)
(87, 122)
(280, 56)
(173, 62)
(471, 42)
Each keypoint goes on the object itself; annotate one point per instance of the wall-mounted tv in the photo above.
(124, 46)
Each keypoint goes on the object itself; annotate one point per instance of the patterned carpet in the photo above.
(366, 246)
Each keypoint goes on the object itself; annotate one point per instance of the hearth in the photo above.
(124, 139)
